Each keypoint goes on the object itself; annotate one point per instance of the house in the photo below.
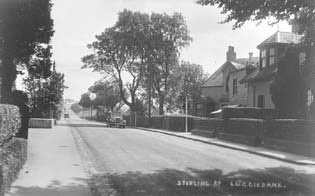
(223, 86)
(259, 80)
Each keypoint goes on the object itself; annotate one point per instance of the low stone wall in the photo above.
(40, 123)
(297, 136)
(13, 156)
(243, 130)
(177, 123)
(207, 127)
(246, 112)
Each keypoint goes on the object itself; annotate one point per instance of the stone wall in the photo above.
(243, 130)
(207, 127)
(297, 136)
(246, 112)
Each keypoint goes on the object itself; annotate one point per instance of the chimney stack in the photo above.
(230, 54)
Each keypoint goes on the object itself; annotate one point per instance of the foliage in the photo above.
(25, 25)
(85, 100)
(76, 108)
(118, 51)
(10, 121)
(167, 36)
(287, 87)
(191, 77)
(139, 45)
(46, 95)
(106, 94)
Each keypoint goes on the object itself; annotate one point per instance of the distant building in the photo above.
(223, 87)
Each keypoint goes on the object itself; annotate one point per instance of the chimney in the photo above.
(230, 54)
(250, 57)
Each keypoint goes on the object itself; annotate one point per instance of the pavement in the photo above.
(282, 156)
(53, 167)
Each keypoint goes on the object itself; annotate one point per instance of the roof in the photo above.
(258, 75)
(281, 37)
(216, 79)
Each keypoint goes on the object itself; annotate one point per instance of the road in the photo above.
(138, 162)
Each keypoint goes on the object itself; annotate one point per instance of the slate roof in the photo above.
(281, 37)
(216, 79)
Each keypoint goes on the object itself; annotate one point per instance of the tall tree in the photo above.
(119, 53)
(168, 35)
(24, 26)
(303, 12)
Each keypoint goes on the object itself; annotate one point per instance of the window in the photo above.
(310, 97)
(227, 83)
(199, 106)
(263, 58)
(261, 101)
(234, 86)
(271, 56)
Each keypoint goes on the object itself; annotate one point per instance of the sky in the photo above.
(76, 22)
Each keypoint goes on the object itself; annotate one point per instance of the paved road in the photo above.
(137, 162)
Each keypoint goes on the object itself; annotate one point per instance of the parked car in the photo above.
(66, 116)
(117, 122)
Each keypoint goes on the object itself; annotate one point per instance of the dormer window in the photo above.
(267, 57)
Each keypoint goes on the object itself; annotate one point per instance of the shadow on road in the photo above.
(53, 189)
(214, 182)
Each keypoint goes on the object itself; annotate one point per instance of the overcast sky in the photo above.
(76, 22)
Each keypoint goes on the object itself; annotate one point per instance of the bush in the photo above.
(10, 122)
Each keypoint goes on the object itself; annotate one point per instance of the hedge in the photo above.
(10, 122)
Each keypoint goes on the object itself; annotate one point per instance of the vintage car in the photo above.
(117, 122)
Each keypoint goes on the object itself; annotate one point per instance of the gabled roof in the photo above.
(216, 79)
(281, 37)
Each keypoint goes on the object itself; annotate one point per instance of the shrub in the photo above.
(10, 122)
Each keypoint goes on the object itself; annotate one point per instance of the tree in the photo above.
(106, 94)
(25, 25)
(167, 36)
(85, 100)
(119, 53)
(46, 94)
(303, 12)
(191, 77)
(287, 88)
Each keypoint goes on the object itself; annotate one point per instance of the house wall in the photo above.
(241, 96)
(214, 92)
(259, 88)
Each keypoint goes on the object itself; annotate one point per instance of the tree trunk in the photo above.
(8, 76)
(161, 104)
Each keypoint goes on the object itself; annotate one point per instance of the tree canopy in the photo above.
(136, 42)
(25, 25)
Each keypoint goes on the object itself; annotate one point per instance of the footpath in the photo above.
(273, 154)
(53, 167)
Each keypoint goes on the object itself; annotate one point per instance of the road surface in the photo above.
(138, 162)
